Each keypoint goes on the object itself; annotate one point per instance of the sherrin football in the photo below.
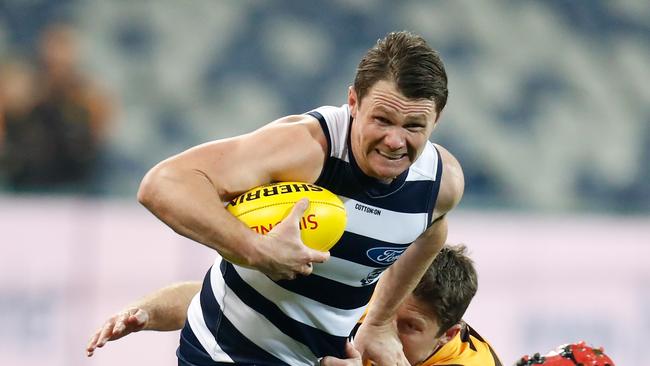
(321, 226)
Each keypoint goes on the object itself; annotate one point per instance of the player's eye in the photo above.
(407, 327)
(382, 120)
(414, 327)
(415, 128)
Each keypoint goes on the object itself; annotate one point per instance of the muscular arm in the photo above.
(403, 276)
(187, 191)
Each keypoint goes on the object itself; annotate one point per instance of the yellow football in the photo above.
(321, 226)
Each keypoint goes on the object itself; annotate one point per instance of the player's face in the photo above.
(417, 327)
(389, 130)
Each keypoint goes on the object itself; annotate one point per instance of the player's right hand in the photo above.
(380, 344)
(284, 255)
(125, 322)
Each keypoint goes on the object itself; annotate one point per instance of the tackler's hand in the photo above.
(125, 322)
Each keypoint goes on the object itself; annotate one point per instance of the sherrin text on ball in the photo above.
(321, 226)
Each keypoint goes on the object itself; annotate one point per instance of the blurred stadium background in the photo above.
(549, 115)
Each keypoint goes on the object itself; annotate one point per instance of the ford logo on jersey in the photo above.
(384, 255)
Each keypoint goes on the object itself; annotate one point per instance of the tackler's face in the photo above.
(417, 327)
(389, 131)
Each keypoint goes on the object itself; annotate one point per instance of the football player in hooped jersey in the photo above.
(373, 151)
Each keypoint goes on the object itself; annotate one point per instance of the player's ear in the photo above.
(353, 101)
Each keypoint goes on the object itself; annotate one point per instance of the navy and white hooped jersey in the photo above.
(242, 316)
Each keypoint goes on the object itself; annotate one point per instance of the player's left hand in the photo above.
(354, 358)
(380, 344)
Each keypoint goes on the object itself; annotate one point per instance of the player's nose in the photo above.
(394, 138)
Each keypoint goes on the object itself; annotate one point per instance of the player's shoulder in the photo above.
(484, 353)
(449, 161)
(316, 121)
(331, 114)
(465, 348)
(298, 128)
(290, 148)
(452, 183)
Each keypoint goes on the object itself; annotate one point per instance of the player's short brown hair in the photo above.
(408, 60)
(448, 285)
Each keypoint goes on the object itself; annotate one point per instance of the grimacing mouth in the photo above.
(391, 156)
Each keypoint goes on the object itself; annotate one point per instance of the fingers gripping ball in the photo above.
(321, 226)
